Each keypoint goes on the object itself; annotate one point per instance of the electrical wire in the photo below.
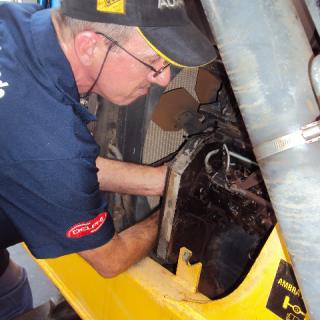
(86, 95)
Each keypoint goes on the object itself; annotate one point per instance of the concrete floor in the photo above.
(41, 286)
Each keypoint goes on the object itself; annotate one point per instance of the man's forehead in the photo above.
(149, 54)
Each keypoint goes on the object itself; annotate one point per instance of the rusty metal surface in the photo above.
(216, 204)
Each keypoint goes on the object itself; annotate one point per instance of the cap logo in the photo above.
(85, 228)
(170, 4)
(111, 6)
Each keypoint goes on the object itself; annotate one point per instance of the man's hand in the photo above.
(124, 249)
(134, 243)
(129, 178)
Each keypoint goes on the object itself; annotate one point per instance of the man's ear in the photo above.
(85, 45)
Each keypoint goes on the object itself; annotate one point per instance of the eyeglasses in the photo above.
(156, 72)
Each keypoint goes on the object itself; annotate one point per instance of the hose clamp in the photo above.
(307, 134)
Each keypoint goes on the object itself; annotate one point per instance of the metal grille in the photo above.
(160, 143)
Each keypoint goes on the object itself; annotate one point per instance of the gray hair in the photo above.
(71, 27)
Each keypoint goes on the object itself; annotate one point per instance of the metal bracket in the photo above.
(188, 275)
(307, 134)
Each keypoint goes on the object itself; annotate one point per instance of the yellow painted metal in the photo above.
(188, 275)
(149, 291)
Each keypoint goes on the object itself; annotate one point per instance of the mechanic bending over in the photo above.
(50, 173)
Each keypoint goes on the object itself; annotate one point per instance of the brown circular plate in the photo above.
(172, 104)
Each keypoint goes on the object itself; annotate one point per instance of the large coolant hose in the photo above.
(267, 55)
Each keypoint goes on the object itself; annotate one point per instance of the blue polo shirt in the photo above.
(48, 176)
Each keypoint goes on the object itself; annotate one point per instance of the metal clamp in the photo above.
(307, 134)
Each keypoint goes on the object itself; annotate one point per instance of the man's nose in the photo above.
(161, 79)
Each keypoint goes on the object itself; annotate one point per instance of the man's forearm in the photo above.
(129, 178)
(124, 249)
(139, 240)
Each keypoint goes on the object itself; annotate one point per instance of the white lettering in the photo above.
(288, 286)
(170, 4)
(88, 227)
(3, 85)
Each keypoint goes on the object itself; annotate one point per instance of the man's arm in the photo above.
(131, 245)
(124, 249)
(129, 178)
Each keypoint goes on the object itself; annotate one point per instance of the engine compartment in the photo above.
(222, 212)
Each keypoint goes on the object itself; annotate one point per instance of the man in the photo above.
(50, 174)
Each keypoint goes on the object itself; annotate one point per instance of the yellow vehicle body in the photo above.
(149, 291)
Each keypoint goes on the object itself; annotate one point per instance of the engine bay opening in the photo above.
(216, 203)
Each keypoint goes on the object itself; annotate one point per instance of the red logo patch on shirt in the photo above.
(85, 228)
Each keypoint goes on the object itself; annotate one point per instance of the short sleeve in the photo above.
(56, 205)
